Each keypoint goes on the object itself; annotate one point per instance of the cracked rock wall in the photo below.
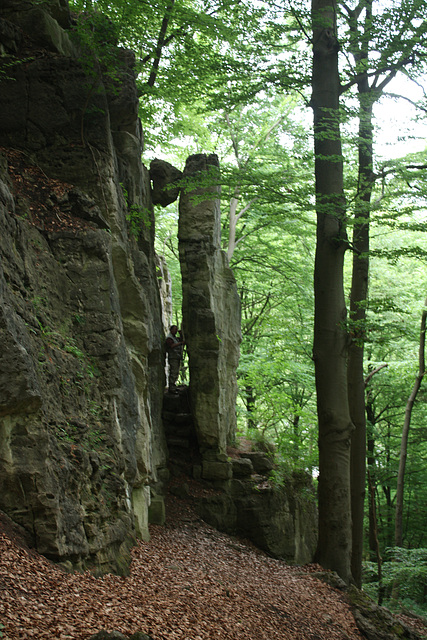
(211, 315)
(81, 333)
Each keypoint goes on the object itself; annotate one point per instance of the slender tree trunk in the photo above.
(371, 463)
(330, 337)
(296, 433)
(372, 535)
(160, 43)
(388, 535)
(358, 299)
(361, 24)
(232, 224)
(375, 537)
(398, 525)
(250, 406)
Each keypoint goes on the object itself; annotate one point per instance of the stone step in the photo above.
(178, 452)
(178, 403)
(180, 443)
(177, 418)
(180, 458)
(180, 432)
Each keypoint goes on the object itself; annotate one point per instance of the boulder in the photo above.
(281, 520)
(44, 30)
(242, 467)
(261, 462)
(108, 635)
(374, 621)
(164, 177)
(116, 635)
(10, 37)
(216, 470)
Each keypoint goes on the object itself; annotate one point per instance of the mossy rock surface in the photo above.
(375, 622)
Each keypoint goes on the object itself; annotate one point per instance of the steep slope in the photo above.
(188, 582)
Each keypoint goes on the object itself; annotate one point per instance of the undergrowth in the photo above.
(403, 586)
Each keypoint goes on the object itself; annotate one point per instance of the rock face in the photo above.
(85, 303)
(280, 518)
(81, 335)
(211, 314)
(375, 622)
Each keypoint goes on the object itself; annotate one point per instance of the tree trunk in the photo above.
(371, 462)
(388, 534)
(375, 536)
(330, 337)
(250, 406)
(358, 298)
(372, 535)
(398, 530)
(232, 224)
(160, 43)
(297, 438)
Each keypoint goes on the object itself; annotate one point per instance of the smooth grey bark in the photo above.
(369, 90)
(359, 286)
(372, 419)
(330, 335)
(358, 298)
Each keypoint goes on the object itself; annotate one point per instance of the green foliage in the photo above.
(88, 438)
(57, 340)
(166, 245)
(393, 341)
(7, 63)
(200, 54)
(72, 348)
(281, 475)
(259, 442)
(404, 579)
(96, 36)
(137, 217)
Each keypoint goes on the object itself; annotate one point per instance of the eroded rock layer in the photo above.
(81, 335)
(85, 304)
(211, 314)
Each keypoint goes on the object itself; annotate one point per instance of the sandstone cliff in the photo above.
(85, 453)
(81, 330)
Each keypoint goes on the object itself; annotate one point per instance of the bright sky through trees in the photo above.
(398, 133)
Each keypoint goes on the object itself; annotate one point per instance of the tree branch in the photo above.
(246, 208)
(373, 372)
(160, 43)
(400, 97)
(393, 67)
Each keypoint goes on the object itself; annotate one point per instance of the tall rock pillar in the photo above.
(211, 314)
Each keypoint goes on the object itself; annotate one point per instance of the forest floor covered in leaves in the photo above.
(189, 582)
